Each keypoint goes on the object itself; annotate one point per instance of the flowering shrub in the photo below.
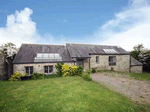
(69, 70)
(16, 76)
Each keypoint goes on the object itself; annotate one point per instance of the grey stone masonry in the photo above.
(37, 67)
(122, 62)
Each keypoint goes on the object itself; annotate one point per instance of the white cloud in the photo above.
(128, 27)
(21, 29)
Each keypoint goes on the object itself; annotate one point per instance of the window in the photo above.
(29, 70)
(109, 51)
(97, 59)
(112, 60)
(48, 69)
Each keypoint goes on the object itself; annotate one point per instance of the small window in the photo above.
(29, 70)
(97, 59)
(48, 69)
(112, 60)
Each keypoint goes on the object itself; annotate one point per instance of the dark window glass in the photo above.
(29, 70)
(112, 60)
(97, 59)
(48, 69)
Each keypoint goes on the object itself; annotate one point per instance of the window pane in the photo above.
(57, 56)
(97, 59)
(46, 69)
(51, 55)
(31, 70)
(112, 60)
(39, 55)
(45, 55)
(27, 70)
(50, 69)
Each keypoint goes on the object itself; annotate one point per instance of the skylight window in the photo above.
(39, 55)
(47, 57)
(109, 51)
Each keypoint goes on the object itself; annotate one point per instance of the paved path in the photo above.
(136, 90)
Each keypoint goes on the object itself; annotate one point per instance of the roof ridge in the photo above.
(40, 44)
(89, 44)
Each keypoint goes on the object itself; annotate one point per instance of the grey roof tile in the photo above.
(28, 52)
(84, 50)
(135, 62)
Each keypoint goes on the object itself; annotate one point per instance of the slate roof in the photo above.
(84, 50)
(135, 62)
(28, 52)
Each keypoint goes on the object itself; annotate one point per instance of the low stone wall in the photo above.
(37, 67)
(137, 69)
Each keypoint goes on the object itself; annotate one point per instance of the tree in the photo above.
(10, 48)
(142, 54)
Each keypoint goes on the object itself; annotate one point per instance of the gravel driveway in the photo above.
(136, 90)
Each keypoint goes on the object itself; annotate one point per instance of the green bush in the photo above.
(79, 70)
(86, 76)
(59, 69)
(16, 77)
(38, 76)
(52, 76)
(93, 70)
(89, 71)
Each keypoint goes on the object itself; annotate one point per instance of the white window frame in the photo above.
(48, 69)
(29, 69)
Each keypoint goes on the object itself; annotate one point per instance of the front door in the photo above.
(80, 62)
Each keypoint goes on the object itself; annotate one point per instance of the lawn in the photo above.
(140, 76)
(69, 94)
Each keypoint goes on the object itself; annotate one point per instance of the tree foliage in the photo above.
(142, 54)
(9, 47)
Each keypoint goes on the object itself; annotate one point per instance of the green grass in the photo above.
(121, 72)
(69, 94)
(140, 76)
(52, 76)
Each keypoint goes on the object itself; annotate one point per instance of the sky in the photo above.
(124, 23)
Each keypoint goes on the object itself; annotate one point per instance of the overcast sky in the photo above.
(116, 22)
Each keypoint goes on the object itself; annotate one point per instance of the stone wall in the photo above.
(86, 64)
(2, 68)
(37, 67)
(122, 62)
(137, 69)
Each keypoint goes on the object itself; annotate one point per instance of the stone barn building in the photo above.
(43, 58)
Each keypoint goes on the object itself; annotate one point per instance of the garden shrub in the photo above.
(38, 76)
(69, 70)
(86, 76)
(16, 77)
(59, 69)
(79, 70)
(89, 71)
(93, 70)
